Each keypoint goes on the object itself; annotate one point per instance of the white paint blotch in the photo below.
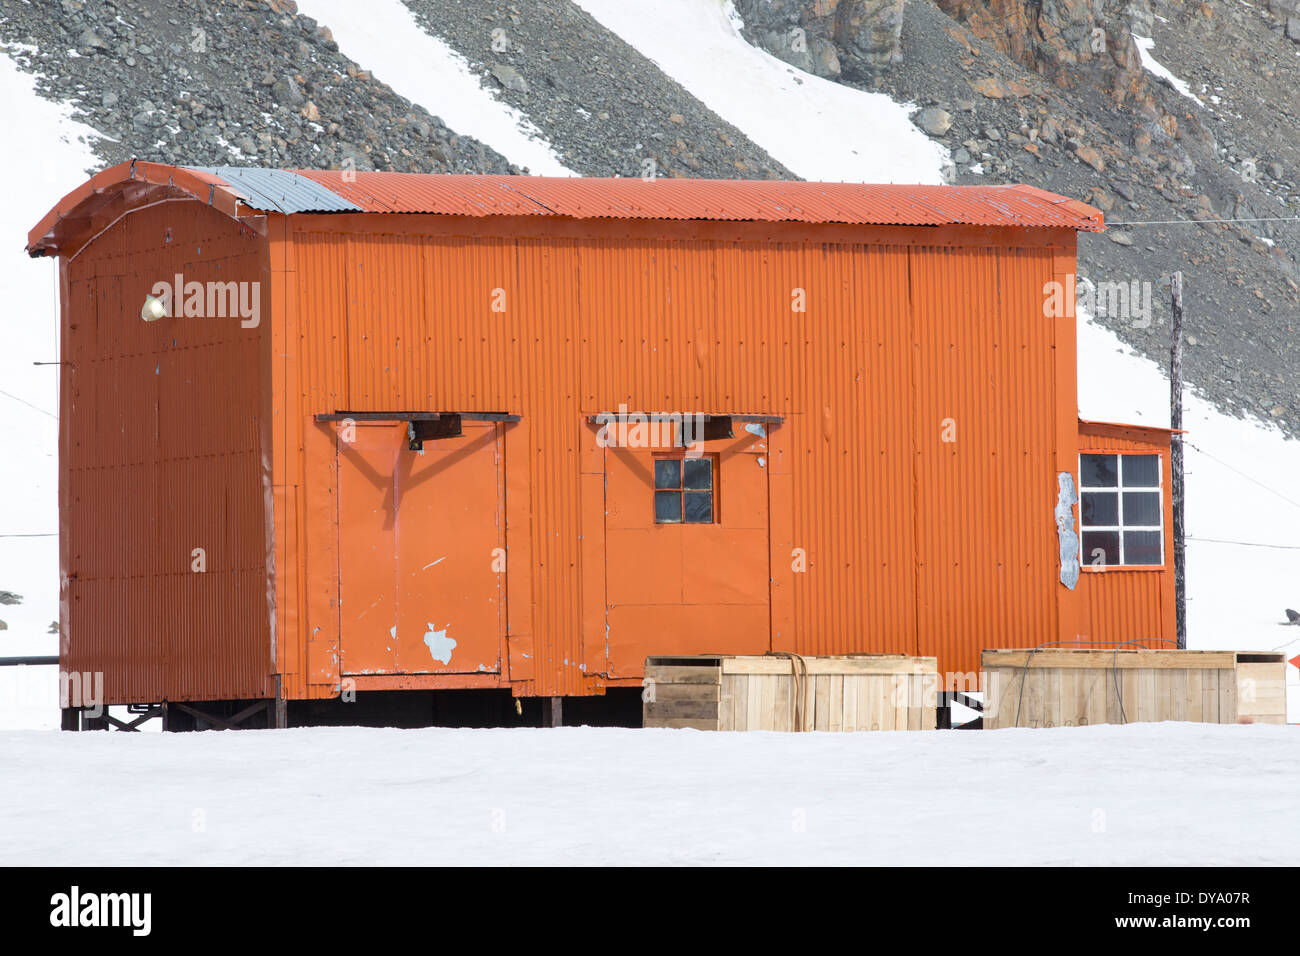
(439, 644)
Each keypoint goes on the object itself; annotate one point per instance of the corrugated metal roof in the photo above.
(279, 190)
(137, 184)
(747, 200)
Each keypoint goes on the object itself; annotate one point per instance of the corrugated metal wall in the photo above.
(160, 453)
(1122, 604)
(983, 431)
(913, 544)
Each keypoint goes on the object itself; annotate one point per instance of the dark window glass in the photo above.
(698, 507)
(668, 507)
(691, 503)
(1100, 548)
(1141, 471)
(668, 473)
(1141, 508)
(698, 472)
(1100, 508)
(1121, 509)
(1098, 471)
(1142, 547)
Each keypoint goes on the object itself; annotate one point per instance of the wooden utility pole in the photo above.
(1176, 459)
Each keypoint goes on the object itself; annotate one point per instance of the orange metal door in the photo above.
(687, 588)
(420, 552)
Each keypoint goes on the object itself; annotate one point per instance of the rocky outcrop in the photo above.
(1068, 41)
(827, 37)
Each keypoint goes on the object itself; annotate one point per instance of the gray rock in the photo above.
(825, 60)
(791, 47)
(90, 40)
(510, 78)
(286, 92)
(934, 121)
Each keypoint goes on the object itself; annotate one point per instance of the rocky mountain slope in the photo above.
(1056, 95)
(1068, 96)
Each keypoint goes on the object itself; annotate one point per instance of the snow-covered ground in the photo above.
(427, 71)
(52, 160)
(1144, 794)
(816, 128)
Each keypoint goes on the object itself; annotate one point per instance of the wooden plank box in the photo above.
(1056, 687)
(858, 692)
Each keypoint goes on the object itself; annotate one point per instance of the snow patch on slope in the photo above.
(384, 37)
(817, 129)
(54, 157)
(1149, 63)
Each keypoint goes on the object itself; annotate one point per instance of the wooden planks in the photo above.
(688, 696)
(1261, 693)
(1123, 658)
(832, 694)
(1080, 687)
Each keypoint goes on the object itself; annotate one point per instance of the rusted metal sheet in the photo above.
(161, 500)
(888, 524)
(113, 193)
(902, 503)
(986, 549)
(751, 200)
(96, 204)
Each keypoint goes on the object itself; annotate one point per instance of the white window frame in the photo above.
(1119, 488)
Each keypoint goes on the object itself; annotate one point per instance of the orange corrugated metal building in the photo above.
(398, 473)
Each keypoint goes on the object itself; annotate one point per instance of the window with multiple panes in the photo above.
(1121, 510)
(684, 490)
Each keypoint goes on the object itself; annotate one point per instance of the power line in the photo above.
(1197, 222)
(1247, 544)
(1290, 501)
(28, 404)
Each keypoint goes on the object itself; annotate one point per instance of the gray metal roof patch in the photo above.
(278, 190)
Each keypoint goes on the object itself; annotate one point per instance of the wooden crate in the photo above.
(1056, 687)
(859, 692)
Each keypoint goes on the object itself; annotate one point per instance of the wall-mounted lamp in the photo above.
(153, 309)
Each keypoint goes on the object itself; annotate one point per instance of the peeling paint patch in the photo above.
(439, 644)
(1069, 541)
(432, 563)
(756, 428)
(762, 462)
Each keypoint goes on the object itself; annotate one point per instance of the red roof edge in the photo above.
(1111, 426)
